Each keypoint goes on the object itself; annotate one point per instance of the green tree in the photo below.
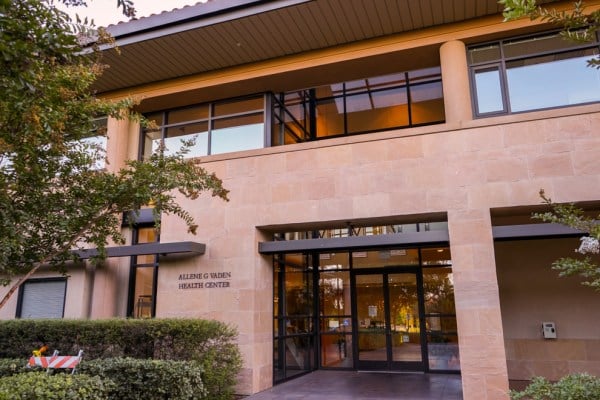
(587, 264)
(53, 197)
(577, 24)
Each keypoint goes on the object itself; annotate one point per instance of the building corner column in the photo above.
(455, 82)
(480, 333)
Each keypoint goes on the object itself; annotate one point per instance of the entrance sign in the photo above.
(205, 280)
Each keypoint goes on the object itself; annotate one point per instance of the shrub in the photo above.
(10, 366)
(211, 343)
(42, 386)
(149, 379)
(571, 387)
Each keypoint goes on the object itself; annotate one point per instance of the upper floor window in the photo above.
(214, 128)
(372, 104)
(379, 103)
(532, 73)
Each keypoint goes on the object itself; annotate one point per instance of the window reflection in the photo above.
(234, 125)
(572, 81)
(144, 269)
(294, 345)
(489, 90)
(533, 73)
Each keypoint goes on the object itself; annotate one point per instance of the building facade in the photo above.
(383, 160)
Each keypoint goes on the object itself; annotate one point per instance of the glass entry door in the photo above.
(389, 324)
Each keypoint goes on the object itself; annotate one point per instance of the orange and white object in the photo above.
(56, 361)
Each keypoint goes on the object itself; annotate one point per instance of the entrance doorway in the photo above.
(389, 324)
(371, 309)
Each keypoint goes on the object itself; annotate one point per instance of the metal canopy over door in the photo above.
(390, 328)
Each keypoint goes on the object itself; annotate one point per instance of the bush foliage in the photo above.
(212, 344)
(42, 386)
(570, 387)
(149, 379)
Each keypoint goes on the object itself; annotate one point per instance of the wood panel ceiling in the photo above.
(200, 43)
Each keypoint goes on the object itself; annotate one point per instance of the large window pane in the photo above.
(334, 289)
(176, 137)
(438, 288)
(385, 258)
(552, 81)
(484, 53)
(237, 133)
(188, 114)
(330, 117)
(488, 91)
(427, 103)
(377, 110)
(239, 106)
(533, 45)
(144, 285)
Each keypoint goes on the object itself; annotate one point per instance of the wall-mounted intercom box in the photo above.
(549, 330)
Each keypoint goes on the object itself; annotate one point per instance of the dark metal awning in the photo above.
(354, 242)
(533, 231)
(181, 248)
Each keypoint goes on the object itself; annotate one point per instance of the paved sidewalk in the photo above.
(343, 385)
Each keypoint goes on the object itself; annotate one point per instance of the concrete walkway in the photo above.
(342, 385)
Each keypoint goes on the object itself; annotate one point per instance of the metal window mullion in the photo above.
(267, 119)
(408, 99)
(345, 111)
(312, 105)
(210, 128)
(504, 80)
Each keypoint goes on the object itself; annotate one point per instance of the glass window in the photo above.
(484, 54)
(552, 81)
(330, 117)
(334, 289)
(193, 135)
(188, 114)
(427, 102)
(144, 270)
(234, 107)
(234, 125)
(42, 298)
(385, 258)
(488, 90)
(377, 110)
(535, 45)
(533, 73)
(237, 133)
(294, 332)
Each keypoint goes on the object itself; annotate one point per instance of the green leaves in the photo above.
(53, 196)
(572, 216)
(576, 24)
(514, 9)
(570, 387)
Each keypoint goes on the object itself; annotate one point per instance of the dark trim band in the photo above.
(189, 248)
(354, 242)
(533, 231)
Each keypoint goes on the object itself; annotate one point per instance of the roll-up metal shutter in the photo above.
(43, 299)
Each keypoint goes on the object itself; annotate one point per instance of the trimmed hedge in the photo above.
(570, 387)
(13, 366)
(42, 386)
(211, 343)
(149, 379)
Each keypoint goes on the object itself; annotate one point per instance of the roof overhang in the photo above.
(179, 248)
(224, 34)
